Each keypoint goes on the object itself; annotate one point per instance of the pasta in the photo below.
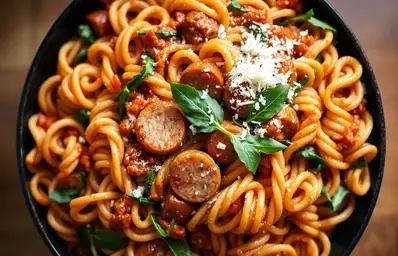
(201, 127)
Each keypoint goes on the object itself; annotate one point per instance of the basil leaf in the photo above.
(234, 5)
(360, 163)
(178, 247)
(170, 231)
(110, 239)
(319, 58)
(247, 153)
(149, 179)
(256, 31)
(142, 200)
(205, 114)
(83, 116)
(87, 34)
(158, 228)
(80, 57)
(148, 64)
(267, 104)
(335, 202)
(264, 145)
(311, 153)
(236, 121)
(309, 17)
(65, 195)
(287, 142)
(161, 33)
(85, 236)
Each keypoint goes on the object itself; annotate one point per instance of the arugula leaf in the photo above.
(309, 17)
(203, 113)
(87, 34)
(142, 200)
(85, 236)
(178, 247)
(256, 31)
(157, 227)
(65, 195)
(335, 202)
(83, 116)
(148, 64)
(234, 5)
(110, 239)
(149, 179)
(161, 33)
(360, 163)
(274, 99)
(80, 57)
(311, 153)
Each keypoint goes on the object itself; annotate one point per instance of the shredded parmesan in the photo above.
(81, 140)
(221, 32)
(193, 129)
(221, 146)
(139, 191)
(204, 94)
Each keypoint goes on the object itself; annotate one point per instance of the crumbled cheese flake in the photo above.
(221, 146)
(193, 129)
(138, 191)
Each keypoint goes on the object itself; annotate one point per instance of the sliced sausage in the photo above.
(155, 248)
(236, 96)
(194, 176)
(99, 21)
(176, 209)
(283, 125)
(160, 127)
(219, 145)
(201, 238)
(197, 27)
(204, 75)
(177, 233)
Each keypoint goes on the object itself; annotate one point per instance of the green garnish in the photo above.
(234, 5)
(335, 202)
(83, 116)
(161, 33)
(311, 153)
(65, 195)
(87, 34)
(309, 17)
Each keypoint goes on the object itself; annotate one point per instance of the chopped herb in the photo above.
(256, 31)
(319, 58)
(162, 33)
(83, 116)
(311, 153)
(65, 195)
(297, 87)
(149, 179)
(87, 34)
(142, 200)
(80, 57)
(360, 163)
(236, 121)
(287, 142)
(335, 202)
(106, 238)
(309, 17)
(235, 6)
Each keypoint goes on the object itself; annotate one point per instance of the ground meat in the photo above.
(201, 238)
(178, 231)
(70, 131)
(137, 161)
(126, 127)
(297, 5)
(252, 16)
(122, 213)
(360, 110)
(99, 21)
(138, 100)
(85, 161)
(349, 135)
(304, 41)
(70, 181)
(197, 27)
(45, 121)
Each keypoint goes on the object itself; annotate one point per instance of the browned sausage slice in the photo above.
(99, 21)
(197, 27)
(219, 145)
(194, 176)
(235, 98)
(160, 127)
(283, 125)
(204, 75)
(176, 209)
(155, 247)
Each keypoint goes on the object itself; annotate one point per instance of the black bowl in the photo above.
(345, 236)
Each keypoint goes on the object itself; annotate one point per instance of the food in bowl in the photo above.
(201, 127)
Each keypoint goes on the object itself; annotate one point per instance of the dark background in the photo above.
(23, 25)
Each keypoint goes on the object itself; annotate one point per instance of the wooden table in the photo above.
(23, 24)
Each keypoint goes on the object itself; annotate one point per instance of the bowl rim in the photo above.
(69, 10)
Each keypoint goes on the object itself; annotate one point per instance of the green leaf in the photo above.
(205, 114)
(65, 195)
(311, 153)
(247, 153)
(274, 98)
(309, 17)
(335, 202)
(319, 58)
(80, 57)
(142, 200)
(256, 31)
(170, 231)
(87, 34)
(236, 121)
(148, 64)
(264, 145)
(157, 227)
(83, 116)
(287, 142)
(161, 33)
(234, 5)
(149, 179)
(85, 236)
(360, 163)
(110, 239)
(178, 247)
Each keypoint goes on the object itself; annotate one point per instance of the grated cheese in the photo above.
(221, 32)
(139, 191)
(221, 146)
(193, 129)
(204, 94)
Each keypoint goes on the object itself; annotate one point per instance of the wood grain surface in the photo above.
(24, 23)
